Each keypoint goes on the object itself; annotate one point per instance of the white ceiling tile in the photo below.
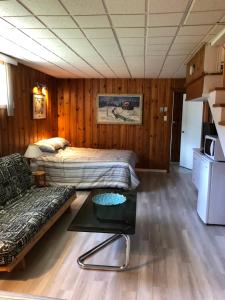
(58, 22)
(81, 46)
(156, 52)
(104, 42)
(5, 24)
(98, 33)
(184, 39)
(179, 52)
(131, 50)
(171, 19)
(125, 6)
(202, 18)
(84, 7)
(39, 33)
(12, 8)
(92, 21)
(154, 60)
(174, 60)
(130, 32)
(159, 40)
(107, 50)
(128, 20)
(194, 30)
(25, 22)
(183, 46)
(162, 31)
(68, 33)
(162, 6)
(188, 39)
(132, 41)
(40, 7)
(158, 47)
(207, 5)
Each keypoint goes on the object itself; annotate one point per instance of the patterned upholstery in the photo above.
(24, 208)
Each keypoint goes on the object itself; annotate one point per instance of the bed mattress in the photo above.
(89, 168)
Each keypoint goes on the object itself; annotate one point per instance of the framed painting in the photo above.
(119, 109)
(39, 106)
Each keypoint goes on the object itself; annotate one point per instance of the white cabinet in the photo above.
(209, 178)
(196, 168)
(204, 188)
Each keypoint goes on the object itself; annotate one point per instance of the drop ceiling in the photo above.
(108, 38)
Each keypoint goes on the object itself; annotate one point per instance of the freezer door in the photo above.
(217, 195)
(204, 189)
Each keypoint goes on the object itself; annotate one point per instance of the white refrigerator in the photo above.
(211, 191)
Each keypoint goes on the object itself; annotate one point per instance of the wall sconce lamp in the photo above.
(39, 89)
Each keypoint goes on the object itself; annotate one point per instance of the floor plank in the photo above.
(173, 254)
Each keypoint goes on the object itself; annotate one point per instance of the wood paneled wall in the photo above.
(151, 141)
(18, 131)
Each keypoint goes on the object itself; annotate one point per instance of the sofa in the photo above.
(26, 211)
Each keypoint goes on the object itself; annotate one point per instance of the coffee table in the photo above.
(118, 219)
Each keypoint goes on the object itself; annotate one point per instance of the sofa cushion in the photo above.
(15, 177)
(21, 219)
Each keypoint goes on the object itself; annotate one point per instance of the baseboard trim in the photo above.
(151, 170)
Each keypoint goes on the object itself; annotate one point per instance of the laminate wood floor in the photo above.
(173, 254)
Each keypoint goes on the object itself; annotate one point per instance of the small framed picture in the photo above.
(39, 106)
(119, 109)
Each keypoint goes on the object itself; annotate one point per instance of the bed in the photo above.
(88, 168)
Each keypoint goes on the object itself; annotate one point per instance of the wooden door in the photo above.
(176, 126)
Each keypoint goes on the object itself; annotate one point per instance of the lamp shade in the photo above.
(32, 151)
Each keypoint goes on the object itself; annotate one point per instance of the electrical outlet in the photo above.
(165, 118)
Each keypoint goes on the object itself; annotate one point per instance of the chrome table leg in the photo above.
(102, 245)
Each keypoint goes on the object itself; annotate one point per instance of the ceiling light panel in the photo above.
(49, 7)
(98, 33)
(12, 8)
(69, 33)
(204, 18)
(84, 7)
(162, 6)
(130, 32)
(128, 20)
(58, 22)
(25, 22)
(171, 19)
(92, 21)
(162, 31)
(125, 6)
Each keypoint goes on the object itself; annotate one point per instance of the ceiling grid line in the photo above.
(146, 33)
(87, 37)
(19, 1)
(187, 10)
(200, 44)
(34, 52)
(116, 37)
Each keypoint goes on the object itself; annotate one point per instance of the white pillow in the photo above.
(58, 142)
(52, 144)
